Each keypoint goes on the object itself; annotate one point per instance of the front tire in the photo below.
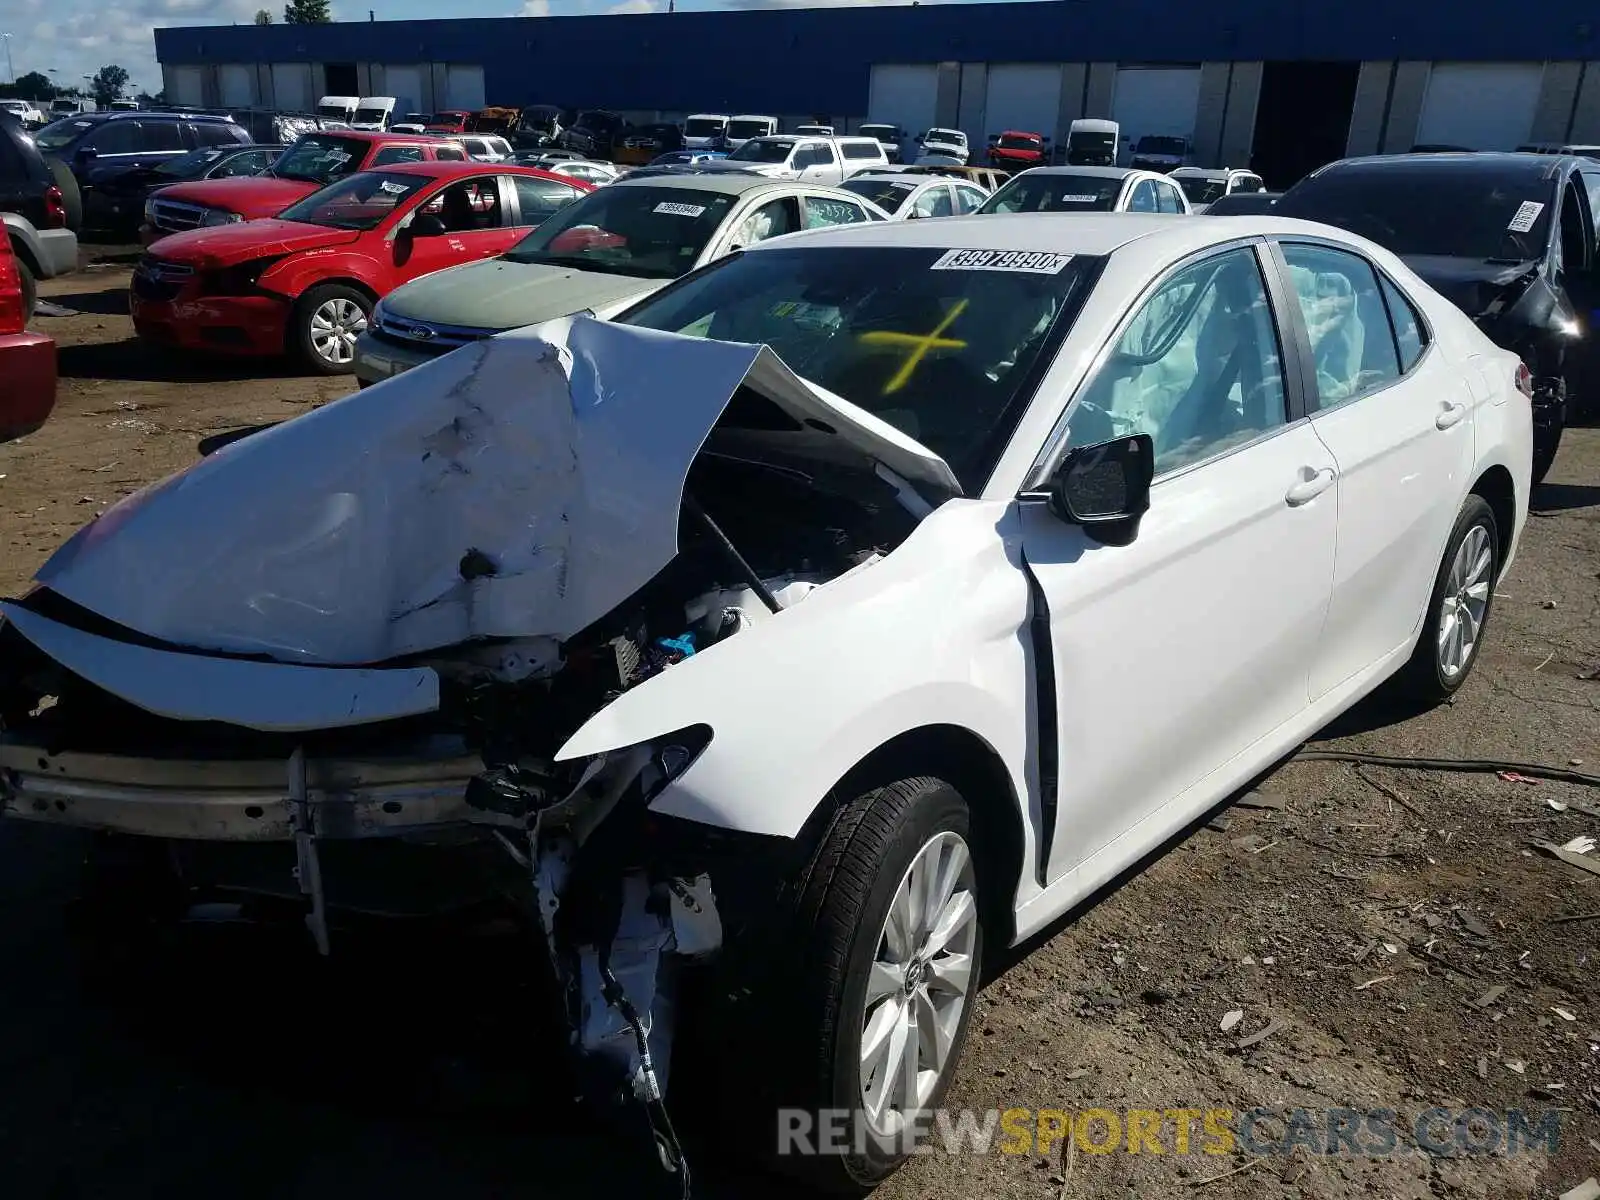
(324, 326)
(1458, 608)
(890, 943)
(30, 288)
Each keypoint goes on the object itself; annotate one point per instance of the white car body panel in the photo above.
(510, 448)
(276, 697)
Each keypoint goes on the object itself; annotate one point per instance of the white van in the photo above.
(744, 127)
(702, 130)
(373, 112)
(338, 108)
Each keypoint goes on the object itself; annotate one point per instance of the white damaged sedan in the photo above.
(874, 594)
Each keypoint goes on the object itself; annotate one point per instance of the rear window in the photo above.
(1201, 190)
(1055, 193)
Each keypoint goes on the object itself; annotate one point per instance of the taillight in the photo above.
(55, 208)
(12, 318)
(1524, 380)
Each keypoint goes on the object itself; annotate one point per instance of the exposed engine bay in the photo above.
(764, 521)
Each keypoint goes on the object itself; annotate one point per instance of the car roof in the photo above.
(126, 114)
(1169, 235)
(1091, 172)
(1206, 172)
(728, 183)
(450, 169)
(1499, 162)
(898, 177)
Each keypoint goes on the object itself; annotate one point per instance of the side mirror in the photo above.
(426, 225)
(1106, 487)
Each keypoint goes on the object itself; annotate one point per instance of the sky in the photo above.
(78, 37)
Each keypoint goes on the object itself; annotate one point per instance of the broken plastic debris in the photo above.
(1361, 987)
(1516, 1065)
(1564, 1014)
(1262, 1035)
(1589, 1189)
(1513, 777)
(1579, 845)
(1231, 1018)
(1489, 997)
(1558, 805)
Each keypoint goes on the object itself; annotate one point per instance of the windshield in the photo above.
(704, 127)
(748, 129)
(1201, 190)
(1162, 145)
(318, 158)
(762, 151)
(1014, 142)
(447, 118)
(60, 133)
(651, 232)
(945, 353)
(332, 110)
(371, 116)
(887, 194)
(950, 137)
(1055, 193)
(359, 202)
(187, 166)
(1432, 209)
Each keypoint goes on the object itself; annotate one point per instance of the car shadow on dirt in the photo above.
(132, 361)
(1563, 497)
(106, 302)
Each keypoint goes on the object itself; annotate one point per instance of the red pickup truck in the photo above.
(1017, 150)
(314, 161)
(304, 283)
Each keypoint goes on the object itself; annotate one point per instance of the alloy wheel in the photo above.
(920, 983)
(1465, 602)
(335, 325)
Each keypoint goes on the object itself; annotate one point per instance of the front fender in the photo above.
(292, 276)
(933, 634)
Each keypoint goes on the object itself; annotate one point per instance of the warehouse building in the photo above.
(1280, 87)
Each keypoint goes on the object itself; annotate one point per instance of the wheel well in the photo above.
(21, 250)
(1497, 490)
(970, 765)
(353, 284)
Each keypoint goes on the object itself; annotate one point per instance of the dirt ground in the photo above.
(1356, 918)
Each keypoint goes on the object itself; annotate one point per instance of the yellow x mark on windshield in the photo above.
(920, 345)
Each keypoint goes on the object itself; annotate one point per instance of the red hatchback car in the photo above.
(1017, 150)
(27, 360)
(303, 283)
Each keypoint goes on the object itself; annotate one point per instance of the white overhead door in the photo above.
(1025, 97)
(1156, 100)
(233, 82)
(291, 87)
(186, 86)
(464, 88)
(904, 94)
(404, 83)
(1482, 106)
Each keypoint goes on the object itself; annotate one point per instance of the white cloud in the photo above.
(637, 6)
(535, 8)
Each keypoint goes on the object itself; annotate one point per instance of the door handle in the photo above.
(1450, 414)
(1310, 485)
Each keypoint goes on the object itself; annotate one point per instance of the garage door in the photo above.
(233, 82)
(404, 83)
(291, 86)
(1156, 100)
(1482, 106)
(904, 94)
(464, 88)
(1025, 97)
(186, 86)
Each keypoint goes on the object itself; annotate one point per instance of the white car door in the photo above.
(1173, 654)
(823, 167)
(1398, 420)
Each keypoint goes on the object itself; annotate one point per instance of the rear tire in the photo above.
(1458, 608)
(71, 194)
(872, 959)
(324, 326)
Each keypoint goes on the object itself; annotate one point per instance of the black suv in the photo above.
(117, 203)
(597, 134)
(1513, 240)
(98, 146)
(38, 209)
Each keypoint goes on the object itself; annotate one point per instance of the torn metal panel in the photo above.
(521, 487)
(192, 687)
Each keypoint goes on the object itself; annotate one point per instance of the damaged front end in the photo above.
(369, 633)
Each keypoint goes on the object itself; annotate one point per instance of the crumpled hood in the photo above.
(225, 245)
(1471, 284)
(522, 486)
(251, 196)
(499, 294)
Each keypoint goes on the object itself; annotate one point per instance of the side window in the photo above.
(238, 164)
(825, 210)
(1577, 243)
(445, 153)
(1143, 198)
(539, 198)
(968, 199)
(1347, 322)
(1591, 183)
(822, 155)
(396, 154)
(161, 135)
(1167, 198)
(1198, 368)
(1408, 333)
(207, 133)
(469, 206)
(935, 202)
(802, 158)
(771, 220)
(116, 137)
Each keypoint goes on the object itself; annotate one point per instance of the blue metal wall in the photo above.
(802, 60)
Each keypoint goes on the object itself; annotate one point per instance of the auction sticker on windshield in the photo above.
(672, 209)
(1527, 213)
(1079, 199)
(1031, 262)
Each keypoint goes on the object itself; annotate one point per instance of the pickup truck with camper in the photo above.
(828, 161)
(746, 126)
